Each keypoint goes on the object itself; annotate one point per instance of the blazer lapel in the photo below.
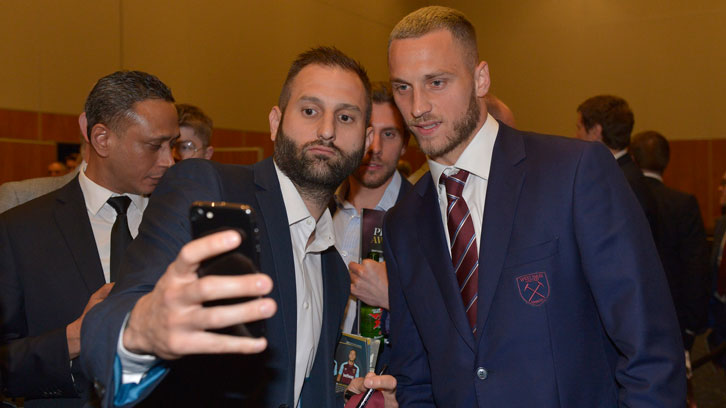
(439, 258)
(71, 217)
(506, 178)
(269, 197)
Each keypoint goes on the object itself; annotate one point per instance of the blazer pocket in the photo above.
(532, 253)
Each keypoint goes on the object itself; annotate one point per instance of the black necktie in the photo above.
(120, 235)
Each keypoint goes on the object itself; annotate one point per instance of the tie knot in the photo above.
(455, 183)
(120, 204)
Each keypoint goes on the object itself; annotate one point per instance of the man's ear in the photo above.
(369, 138)
(208, 152)
(481, 79)
(275, 117)
(595, 132)
(100, 139)
(83, 125)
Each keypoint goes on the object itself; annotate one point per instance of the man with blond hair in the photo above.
(533, 279)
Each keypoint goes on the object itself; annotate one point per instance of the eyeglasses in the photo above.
(185, 149)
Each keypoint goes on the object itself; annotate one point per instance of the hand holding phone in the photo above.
(210, 217)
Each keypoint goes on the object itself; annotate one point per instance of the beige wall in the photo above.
(666, 58)
(229, 57)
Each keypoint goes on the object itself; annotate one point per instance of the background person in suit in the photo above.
(682, 239)
(320, 133)
(14, 193)
(718, 272)
(558, 279)
(375, 184)
(196, 130)
(56, 251)
(609, 120)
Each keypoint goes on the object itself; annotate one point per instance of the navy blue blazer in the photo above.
(573, 309)
(49, 268)
(265, 379)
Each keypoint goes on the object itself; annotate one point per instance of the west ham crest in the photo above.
(534, 288)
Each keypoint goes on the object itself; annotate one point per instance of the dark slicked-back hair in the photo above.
(112, 99)
(381, 93)
(433, 18)
(327, 57)
(613, 114)
(193, 117)
(650, 151)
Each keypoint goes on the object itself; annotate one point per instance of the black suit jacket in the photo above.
(265, 379)
(645, 196)
(49, 267)
(681, 243)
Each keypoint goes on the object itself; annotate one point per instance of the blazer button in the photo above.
(482, 373)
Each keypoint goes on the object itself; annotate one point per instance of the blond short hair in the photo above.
(428, 19)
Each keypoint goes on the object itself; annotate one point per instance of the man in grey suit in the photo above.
(14, 193)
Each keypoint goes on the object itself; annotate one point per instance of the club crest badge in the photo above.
(534, 288)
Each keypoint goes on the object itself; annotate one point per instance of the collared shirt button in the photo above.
(344, 253)
(482, 373)
(306, 305)
(309, 221)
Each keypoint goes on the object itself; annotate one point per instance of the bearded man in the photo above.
(150, 341)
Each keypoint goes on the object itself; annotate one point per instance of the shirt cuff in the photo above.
(133, 366)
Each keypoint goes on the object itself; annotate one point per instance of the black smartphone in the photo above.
(209, 217)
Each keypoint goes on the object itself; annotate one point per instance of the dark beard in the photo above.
(463, 128)
(315, 177)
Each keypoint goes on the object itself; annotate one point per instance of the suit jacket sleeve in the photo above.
(408, 359)
(165, 228)
(32, 366)
(694, 258)
(627, 282)
(8, 197)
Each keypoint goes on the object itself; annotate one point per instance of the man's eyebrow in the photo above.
(316, 100)
(313, 99)
(162, 138)
(436, 74)
(348, 106)
(398, 81)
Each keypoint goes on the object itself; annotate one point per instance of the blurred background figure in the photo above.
(196, 131)
(717, 337)
(73, 160)
(681, 238)
(57, 169)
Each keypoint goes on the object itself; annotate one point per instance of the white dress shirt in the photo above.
(309, 239)
(102, 216)
(477, 160)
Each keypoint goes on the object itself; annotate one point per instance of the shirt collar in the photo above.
(297, 211)
(388, 199)
(620, 153)
(652, 174)
(477, 157)
(96, 195)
